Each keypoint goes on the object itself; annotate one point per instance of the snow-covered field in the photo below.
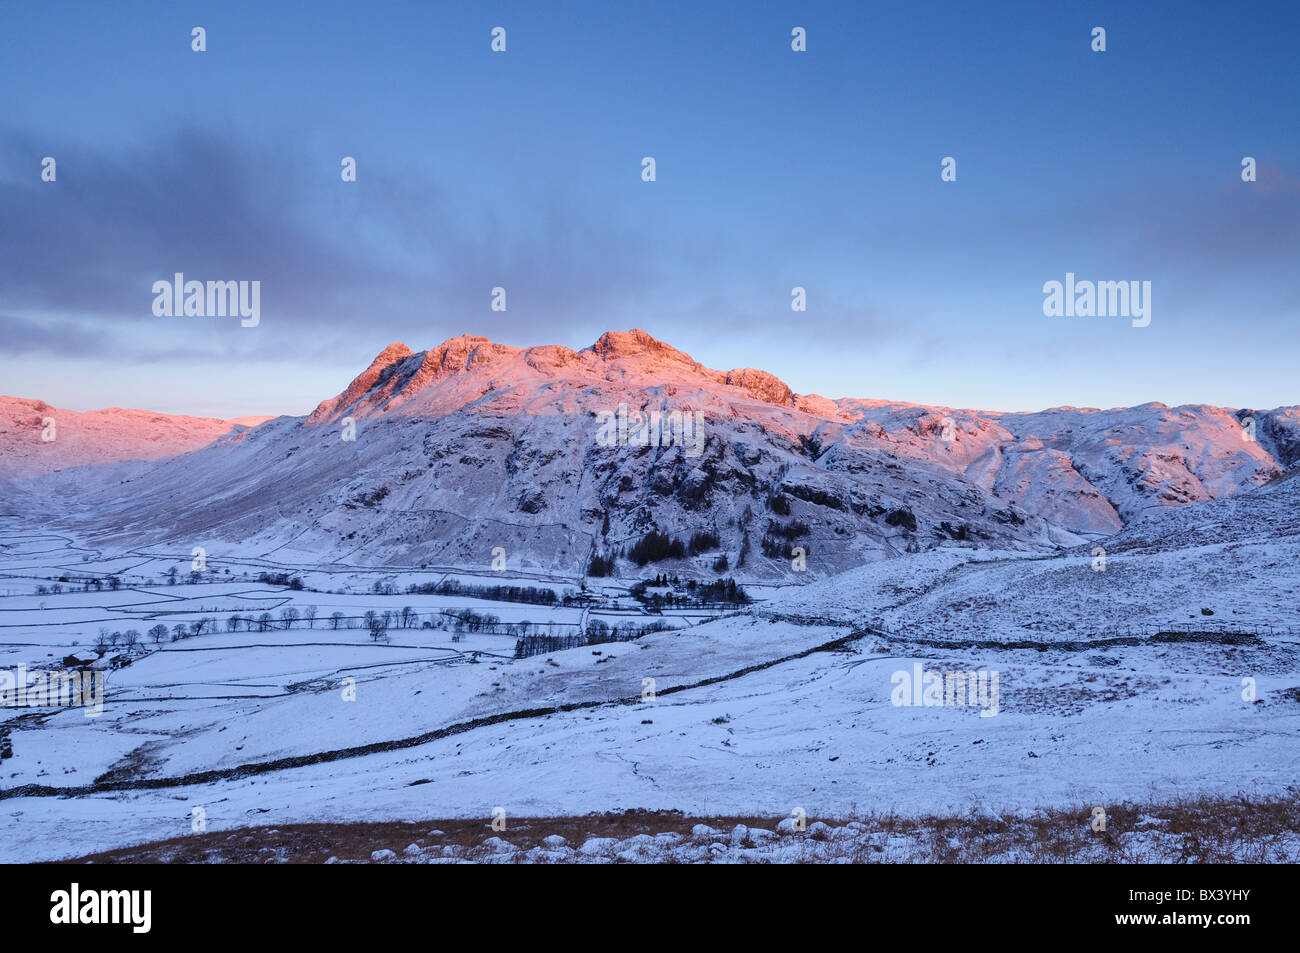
(1113, 686)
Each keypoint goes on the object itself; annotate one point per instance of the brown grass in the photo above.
(1202, 830)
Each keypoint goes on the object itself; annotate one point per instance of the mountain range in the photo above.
(439, 457)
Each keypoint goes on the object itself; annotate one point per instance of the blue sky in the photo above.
(775, 169)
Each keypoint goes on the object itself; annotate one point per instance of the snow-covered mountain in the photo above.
(38, 441)
(438, 457)
(36, 438)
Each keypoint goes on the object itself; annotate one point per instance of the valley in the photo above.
(476, 612)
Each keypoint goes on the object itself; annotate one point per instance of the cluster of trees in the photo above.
(723, 590)
(600, 565)
(791, 530)
(130, 640)
(378, 624)
(703, 542)
(696, 594)
(468, 619)
(655, 547)
(276, 579)
(779, 539)
(774, 548)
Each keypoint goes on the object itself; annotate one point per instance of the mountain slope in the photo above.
(36, 438)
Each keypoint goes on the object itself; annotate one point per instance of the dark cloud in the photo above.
(391, 250)
(65, 338)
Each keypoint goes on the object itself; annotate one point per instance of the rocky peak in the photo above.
(766, 387)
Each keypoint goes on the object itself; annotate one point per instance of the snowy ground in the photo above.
(1113, 687)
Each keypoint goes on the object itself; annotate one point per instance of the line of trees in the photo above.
(453, 587)
(655, 547)
(86, 584)
(597, 633)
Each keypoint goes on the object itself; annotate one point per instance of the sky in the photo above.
(775, 169)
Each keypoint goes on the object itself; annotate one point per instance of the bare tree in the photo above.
(378, 625)
(335, 618)
(309, 613)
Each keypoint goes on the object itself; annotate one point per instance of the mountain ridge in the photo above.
(470, 445)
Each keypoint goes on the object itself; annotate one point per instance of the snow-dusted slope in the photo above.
(1218, 565)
